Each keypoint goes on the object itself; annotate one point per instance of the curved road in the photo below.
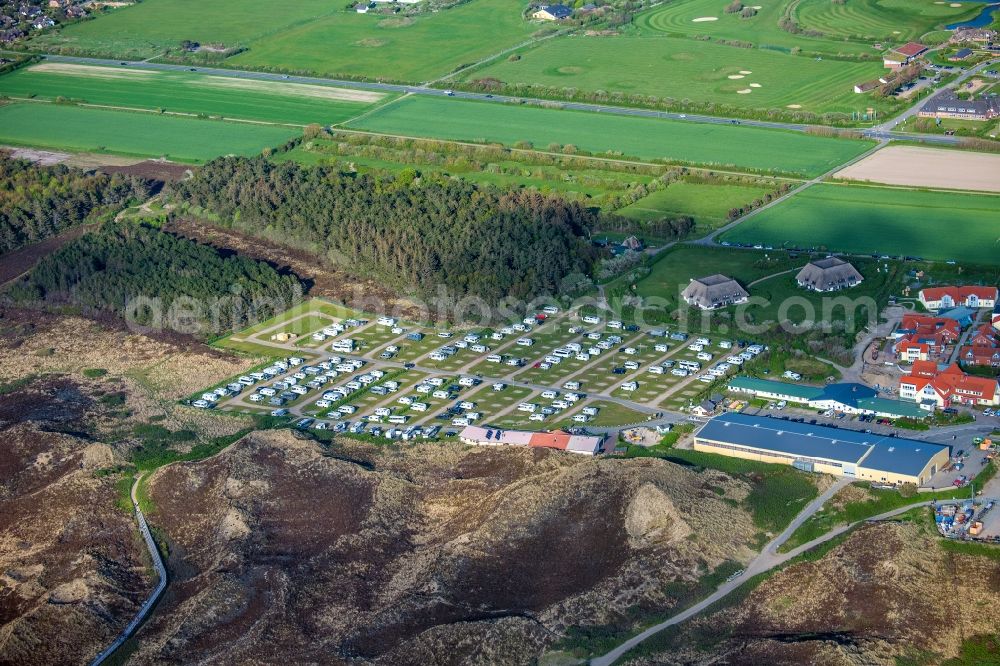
(768, 559)
(161, 571)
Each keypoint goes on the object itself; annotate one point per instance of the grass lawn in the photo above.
(152, 26)
(188, 92)
(677, 18)
(862, 219)
(141, 134)
(709, 205)
(690, 69)
(675, 269)
(892, 20)
(647, 138)
(392, 48)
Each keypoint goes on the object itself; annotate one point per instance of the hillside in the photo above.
(284, 550)
(887, 594)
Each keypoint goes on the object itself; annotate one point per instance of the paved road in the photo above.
(161, 571)
(768, 559)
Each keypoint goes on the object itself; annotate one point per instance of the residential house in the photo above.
(829, 274)
(982, 348)
(714, 291)
(939, 298)
(948, 387)
(552, 13)
(918, 337)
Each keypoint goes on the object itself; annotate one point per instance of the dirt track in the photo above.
(928, 167)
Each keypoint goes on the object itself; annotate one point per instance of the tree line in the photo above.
(108, 269)
(412, 232)
(37, 202)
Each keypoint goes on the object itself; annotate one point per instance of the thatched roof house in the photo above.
(830, 274)
(714, 291)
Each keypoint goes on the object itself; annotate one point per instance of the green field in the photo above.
(142, 134)
(189, 92)
(701, 71)
(646, 138)
(709, 205)
(893, 20)
(399, 49)
(762, 30)
(148, 28)
(881, 220)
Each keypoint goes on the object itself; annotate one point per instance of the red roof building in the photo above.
(920, 336)
(911, 49)
(983, 348)
(949, 387)
(941, 298)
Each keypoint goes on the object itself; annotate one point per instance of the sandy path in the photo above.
(928, 167)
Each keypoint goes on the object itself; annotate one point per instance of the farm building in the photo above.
(829, 274)
(949, 105)
(847, 397)
(933, 388)
(552, 13)
(904, 55)
(938, 298)
(818, 448)
(562, 441)
(714, 291)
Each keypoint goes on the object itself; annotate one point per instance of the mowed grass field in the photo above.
(390, 48)
(709, 205)
(152, 26)
(645, 138)
(690, 69)
(189, 92)
(897, 20)
(762, 30)
(78, 128)
(845, 218)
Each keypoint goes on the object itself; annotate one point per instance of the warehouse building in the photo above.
(824, 449)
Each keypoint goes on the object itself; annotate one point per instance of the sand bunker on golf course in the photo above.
(735, 76)
(745, 72)
(745, 91)
(794, 106)
(702, 19)
(952, 169)
(755, 85)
